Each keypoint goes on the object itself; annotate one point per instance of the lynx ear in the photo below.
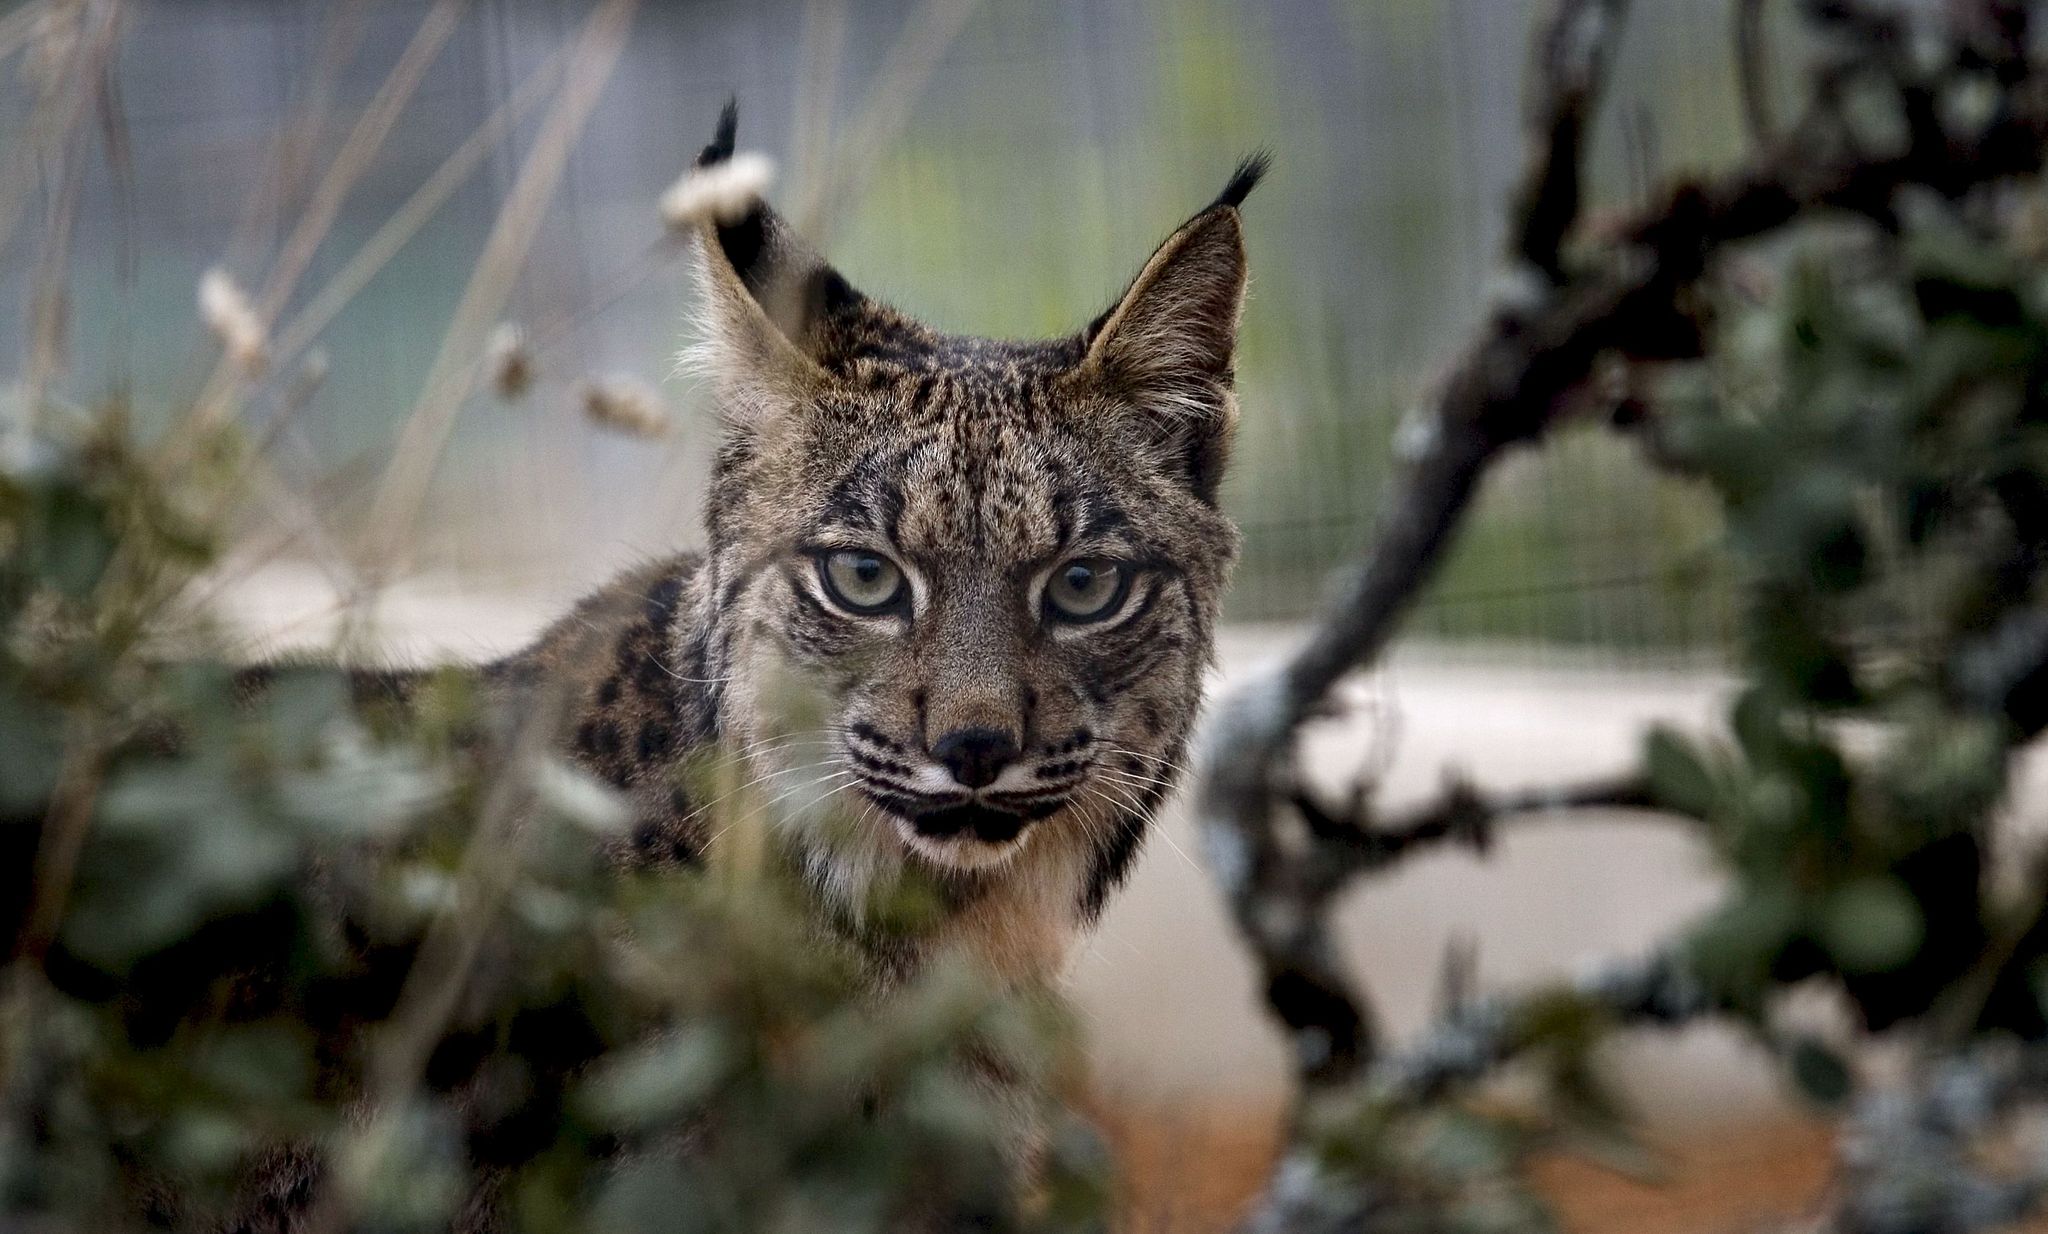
(770, 302)
(1167, 350)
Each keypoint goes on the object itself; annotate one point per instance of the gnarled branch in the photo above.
(1527, 368)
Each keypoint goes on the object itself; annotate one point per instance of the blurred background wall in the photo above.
(996, 167)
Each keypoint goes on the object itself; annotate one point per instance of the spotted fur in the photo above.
(977, 466)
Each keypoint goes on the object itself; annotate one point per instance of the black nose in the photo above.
(976, 756)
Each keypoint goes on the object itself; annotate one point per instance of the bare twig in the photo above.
(1354, 843)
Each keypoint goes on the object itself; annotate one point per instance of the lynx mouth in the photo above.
(969, 822)
(959, 833)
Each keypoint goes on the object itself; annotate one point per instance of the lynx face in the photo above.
(966, 589)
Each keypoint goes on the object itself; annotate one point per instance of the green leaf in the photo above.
(362, 793)
(1819, 1072)
(31, 752)
(74, 540)
(1871, 925)
(580, 798)
(1734, 947)
(1678, 776)
(658, 1082)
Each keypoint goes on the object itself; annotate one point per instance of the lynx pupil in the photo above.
(862, 582)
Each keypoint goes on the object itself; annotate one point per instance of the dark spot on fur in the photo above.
(875, 737)
(663, 843)
(883, 766)
(836, 294)
(661, 601)
(656, 740)
(648, 675)
(608, 693)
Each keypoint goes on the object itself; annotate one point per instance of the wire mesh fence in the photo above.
(996, 169)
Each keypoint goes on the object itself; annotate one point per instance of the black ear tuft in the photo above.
(1244, 180)
(721, 146)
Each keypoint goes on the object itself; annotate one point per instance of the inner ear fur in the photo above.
(1165, 354)
(1170, 343)
(770, 302)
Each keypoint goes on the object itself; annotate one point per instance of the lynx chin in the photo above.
(959, 595)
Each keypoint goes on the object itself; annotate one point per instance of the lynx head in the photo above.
(972, 582)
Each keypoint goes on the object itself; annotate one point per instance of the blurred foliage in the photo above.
(1875, 422)
(1865, 438)
(307, 915)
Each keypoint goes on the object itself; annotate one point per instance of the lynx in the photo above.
(960, 593)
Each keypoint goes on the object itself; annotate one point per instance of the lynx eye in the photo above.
(861, 582)
(1086, 589)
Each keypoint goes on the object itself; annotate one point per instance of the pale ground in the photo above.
(1168, 992)
(1173, 995)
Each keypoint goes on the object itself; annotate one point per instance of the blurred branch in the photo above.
(1311, 1195)
(1352, 842)
(1475, 1038)
(1531, 365)
(1496, 395)
(1567, 76)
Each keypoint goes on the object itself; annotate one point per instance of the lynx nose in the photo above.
(976, 756)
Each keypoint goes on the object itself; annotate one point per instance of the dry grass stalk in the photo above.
(626, 405)
(452, 375)
(508, 358)
(69, 48)
(426, 201)
(217, 401)
(297, 138)
(228, 313)
(927, 34)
